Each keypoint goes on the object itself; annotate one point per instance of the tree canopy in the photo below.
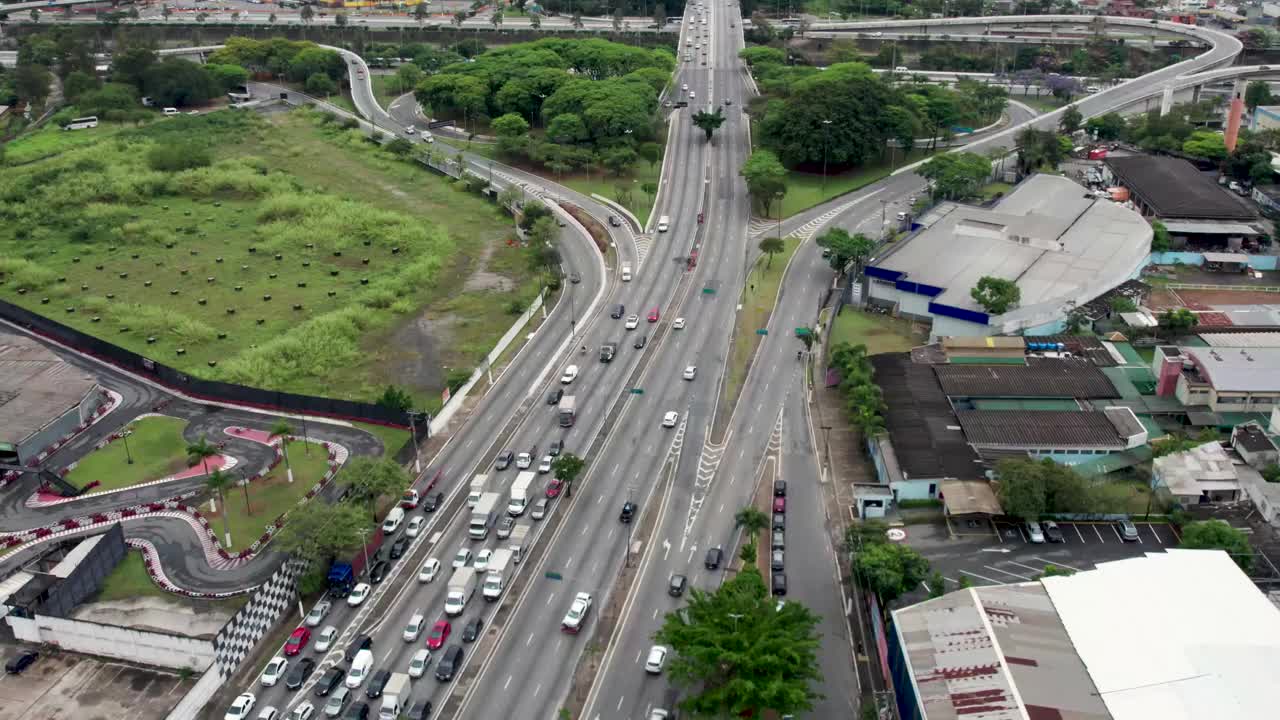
(996, 295)
(1218, 535)
(845, 248)
(956, 175)
(766, 178)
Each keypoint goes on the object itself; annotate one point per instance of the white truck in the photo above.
(519, 542)
(395, 697)
(484, 515)
(520, 491)
(478, 485)
(626, 272)
(462, 585)
(496, 581)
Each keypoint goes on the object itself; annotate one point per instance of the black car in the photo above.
(618, 311)
(777, 560)
(628, 512)
(779, 488)
(20, 662)
(471, 632)
(1052, 532)
(714, 556)
(553, 397)
(419, 710)
(640, 342)
(504, 460)
(359, 711)
(363, 642)
(399, 547)
(449, 663)
(379, 571)
(675, 588)
(554, 449)
(779, 521)
(302, 670)
(433, 502)
(575, 277)
(331, 679)
(377, 683)
(779, 583)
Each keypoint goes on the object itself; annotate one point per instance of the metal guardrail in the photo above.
(1206, 286)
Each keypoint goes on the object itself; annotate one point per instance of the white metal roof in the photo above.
(1181, 635)
(1239, 369)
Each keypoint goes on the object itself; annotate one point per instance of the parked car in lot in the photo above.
(1052, 532)
(1128, 531)
(1034, 533)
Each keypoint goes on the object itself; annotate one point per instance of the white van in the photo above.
(626, 270)
(360, 667)
(664, 222)
(901, 69)
(171, 111)
(392, 523)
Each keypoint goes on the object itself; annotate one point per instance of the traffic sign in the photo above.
(708, 291)
(762, 331)
(802, 331)
(637, 391)
(553, 575)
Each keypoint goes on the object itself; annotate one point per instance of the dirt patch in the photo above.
(413, 353)
(1203, 299)
(598, 233)
(482, 279)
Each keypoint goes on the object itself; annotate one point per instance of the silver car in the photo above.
(316, 616)
(539, 509)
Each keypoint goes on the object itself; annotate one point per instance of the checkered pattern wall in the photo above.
(273, 598)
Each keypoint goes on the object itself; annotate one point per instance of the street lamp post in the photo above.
(306, 444)
(413, 437)
(779, 196)
(826, 134)
(125, 436)
(736, 617)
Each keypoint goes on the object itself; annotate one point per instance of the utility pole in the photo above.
(364, 541)
(413, 438)
(826, 141)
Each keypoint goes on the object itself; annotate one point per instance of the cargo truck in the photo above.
(484, 515)
(520, 491)
(519, 542)
(607, 351)
(462, 585)
(496, 581)
(568, 410)
(395, 697)
(478, 485)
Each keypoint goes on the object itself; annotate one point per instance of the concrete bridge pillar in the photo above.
(1166, 100)
(1235, 113)
(1195, 93)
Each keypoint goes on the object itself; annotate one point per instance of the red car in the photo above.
(779, 504)
(439, 634)
(553, 488)
(409, 500)
(653, 315)
(297, 641)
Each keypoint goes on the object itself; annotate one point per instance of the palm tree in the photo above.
(283, 430)
(217, 482)
(199, 452)
(751, 519)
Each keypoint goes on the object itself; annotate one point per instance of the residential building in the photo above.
(1195, 210)
(1112, 643)
(1256, 448)
(1199, 476)
(1265, 117)
(1224, 379)
(1062, 248)
(1066, 436)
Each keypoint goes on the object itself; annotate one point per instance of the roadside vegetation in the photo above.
(759, 295)
(248, 508)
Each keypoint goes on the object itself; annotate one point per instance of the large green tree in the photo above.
(737, 653)
(371, 478)
(996, 295)
(1257, 93)
(956, 176)
(1218, 535)
(766, 179)
(178, 82)
(836, 114)
(890, 570)
(708, 122)
(319, 529)
(566, 468)
(846, 248)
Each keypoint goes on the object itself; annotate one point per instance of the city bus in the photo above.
(82, 123)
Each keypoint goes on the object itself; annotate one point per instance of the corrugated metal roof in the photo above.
(1245, 339)
(1040, 377)
(925, 433)
(36, 386)
(1039, 429)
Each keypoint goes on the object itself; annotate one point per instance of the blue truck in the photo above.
(341, 578)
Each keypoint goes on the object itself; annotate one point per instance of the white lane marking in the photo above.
(620, 699)
(569, 561)
(507, 683)
(1006, 572)
(530, 640)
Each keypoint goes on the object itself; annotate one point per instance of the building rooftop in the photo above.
(1241, 340)
(968, 497)
(927, 439)
(1040, 377)
(36, 386)
(1047, 236)
(1203, 468)
(1252, 438)
(1045, 428)
(1239, 369)
(1085, 646)
(1174, 188)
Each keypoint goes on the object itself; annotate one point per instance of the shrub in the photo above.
(172, 158)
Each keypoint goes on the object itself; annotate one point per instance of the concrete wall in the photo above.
(146, 648)
(1257, 262)
(915, 489)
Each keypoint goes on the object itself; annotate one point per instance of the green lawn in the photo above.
(51, 140)
(268, 497)
(758, 299)
(991, 190)
(387, 88)
(880, 333)
(805, 190)
(130, 580)
(390, 297)
(624, 190)
(158, 450)
(392, 438)
(1044, 103)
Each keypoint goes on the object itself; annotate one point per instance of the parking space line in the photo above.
(1154, 534)
(1077, 529)
(981, 577)
(1099, 533)
(1032, 568)
(1054, 562)
(1174, 531)
(1006, 572)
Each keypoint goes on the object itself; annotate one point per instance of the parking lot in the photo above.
(65, 686)
(1007, 556)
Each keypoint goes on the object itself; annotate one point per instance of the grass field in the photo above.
(392, 438)
(51, 140)
(129, 580)
(991, 190)
(158, 450)
(805, 190)
(880, 333)
(1043, 103)
(268, 497)
(758, 299)
(396, 273)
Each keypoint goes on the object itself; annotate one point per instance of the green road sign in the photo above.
(637, 391)
(553, 575)
(802, 331)
(708, 291)
(762, 331)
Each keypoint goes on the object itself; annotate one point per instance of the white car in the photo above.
(358, 594)
(685, 86)
(544, 467)
(317, 613)
(482, 560)
(632, 322)
(414, 628)
(303, 712)
(657, 658)
(462, 559)
(692, 95)
(670, 419)
(570, 374)
(523, 461)
(690, 371)
(577, 614)
(430, 569)
(658, 714)
(269, 712)
(325, 638)
(275, 670)
(677, 324)
(241, 707)
(419, 662)
(410, 130)
(415, 526)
